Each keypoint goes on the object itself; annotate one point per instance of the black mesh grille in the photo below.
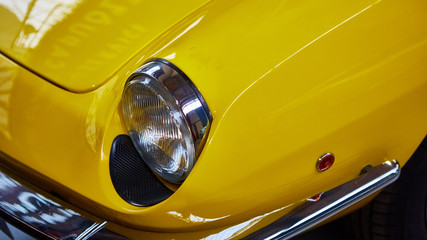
(132, 178)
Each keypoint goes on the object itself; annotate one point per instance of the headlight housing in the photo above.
(167, 119)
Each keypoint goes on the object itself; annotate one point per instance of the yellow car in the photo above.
(216, 119)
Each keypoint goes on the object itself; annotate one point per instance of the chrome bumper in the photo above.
(330, 203)
(44, 218)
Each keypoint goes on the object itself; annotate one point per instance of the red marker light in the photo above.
(325, 162)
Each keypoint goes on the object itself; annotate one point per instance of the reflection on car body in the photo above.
(209, 119)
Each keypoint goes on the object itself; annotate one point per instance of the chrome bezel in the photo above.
(191, 103)
(321, 158)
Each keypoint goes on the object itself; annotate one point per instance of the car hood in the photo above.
(78, 44)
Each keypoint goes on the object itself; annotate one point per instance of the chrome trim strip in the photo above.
(187, 96)
(96, 227)
(45, 218)
(333, 201)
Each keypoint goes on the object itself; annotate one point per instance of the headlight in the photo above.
(167, 119)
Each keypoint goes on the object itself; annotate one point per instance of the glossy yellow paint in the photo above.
(47, 35)
(286, 82)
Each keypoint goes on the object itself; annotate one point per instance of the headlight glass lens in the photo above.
(158, 128)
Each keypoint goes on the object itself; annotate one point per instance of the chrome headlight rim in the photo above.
(186, 96)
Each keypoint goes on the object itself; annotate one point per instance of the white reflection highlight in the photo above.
(13, 208)
(38, 18)
(53, 218)
(241, 95)
(7, 183)
(8, 73)
(170, 57)
(26, 197)
(34, 208)
(322, 35)
(90, 124)
(29, 206)
(180, 35)
(299, 50)
(191, 106)
(236, 230)
(19, 8)
(193, 218)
